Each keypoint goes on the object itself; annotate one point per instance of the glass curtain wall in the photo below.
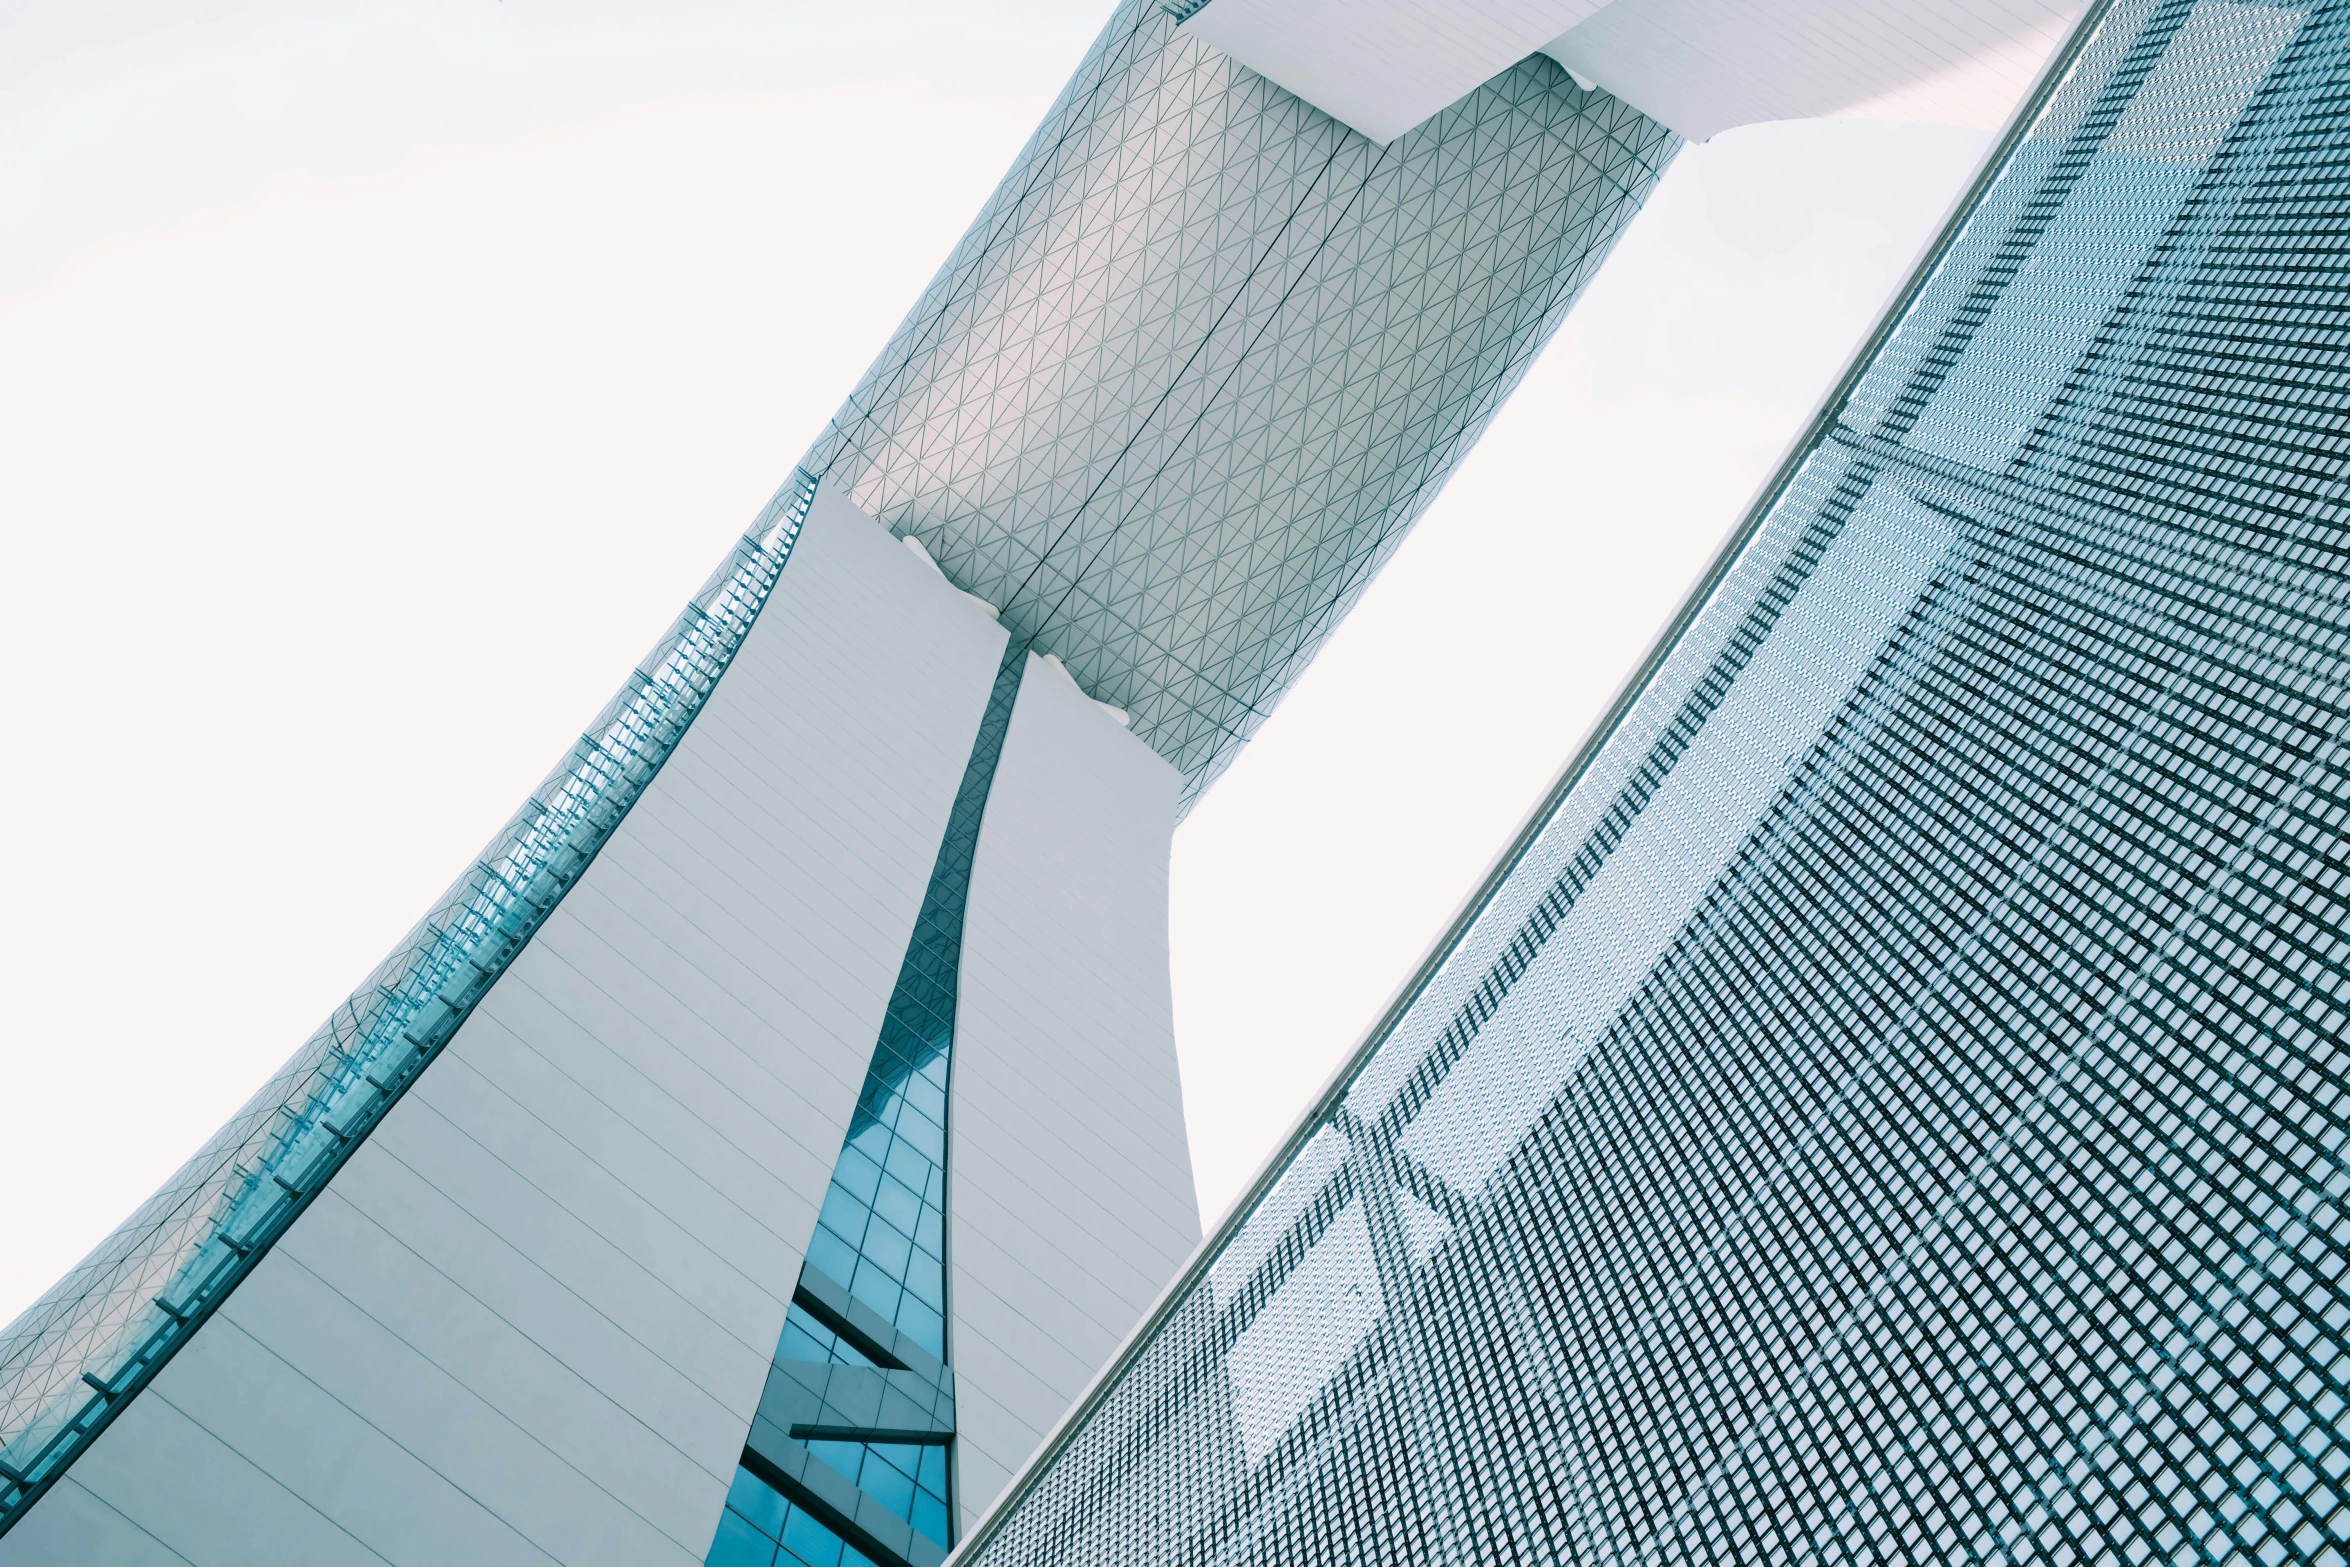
(1893, 1105)
(882, 1230)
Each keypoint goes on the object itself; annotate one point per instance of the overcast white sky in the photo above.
(377, 380)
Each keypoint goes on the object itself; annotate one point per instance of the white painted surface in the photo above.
(1699, 66)
(531, 1318)
(1703, 66)
(73, 1525)
(1383, 66)
(1070, 1199)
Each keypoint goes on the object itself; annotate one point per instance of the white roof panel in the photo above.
(1698, 66)
(1383, 66)
(1703, 66)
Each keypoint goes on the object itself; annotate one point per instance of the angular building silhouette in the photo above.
(1886, 1105)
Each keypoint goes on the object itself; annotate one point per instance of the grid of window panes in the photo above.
(804, 1338)
(883, 1226)
(760, 1528)
(1897, 1105)
(882, 1230)
(763, 1528)
(909, 1479)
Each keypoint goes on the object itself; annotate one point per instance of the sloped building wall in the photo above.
(1890, 1106)
(1071, 1201)
(530, 1318)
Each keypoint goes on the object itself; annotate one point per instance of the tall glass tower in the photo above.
(1893, 1103)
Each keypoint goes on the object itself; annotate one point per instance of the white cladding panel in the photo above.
(530, 1319)
(1070, 1200)
(1697, 66)
(1383, 66)
(1703, 66)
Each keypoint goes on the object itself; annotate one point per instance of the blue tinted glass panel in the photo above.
(882, 1228)
(910, 1481)
(763, 1529)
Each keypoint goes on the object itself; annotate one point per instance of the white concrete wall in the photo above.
(1070, 1202)
(531, 1318)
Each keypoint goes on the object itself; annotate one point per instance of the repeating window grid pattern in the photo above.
(1962, 1175)
(78, 1355)
(1206, 353)
(882, 1229)
(762, 1528)
(911, 1481)
(804, 1338)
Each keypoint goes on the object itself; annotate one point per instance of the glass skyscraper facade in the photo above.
(1892, 1103)
(1196, 368)
(1197, 319)
(1887, 1106)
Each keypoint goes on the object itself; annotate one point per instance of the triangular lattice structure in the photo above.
(1206, 354)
